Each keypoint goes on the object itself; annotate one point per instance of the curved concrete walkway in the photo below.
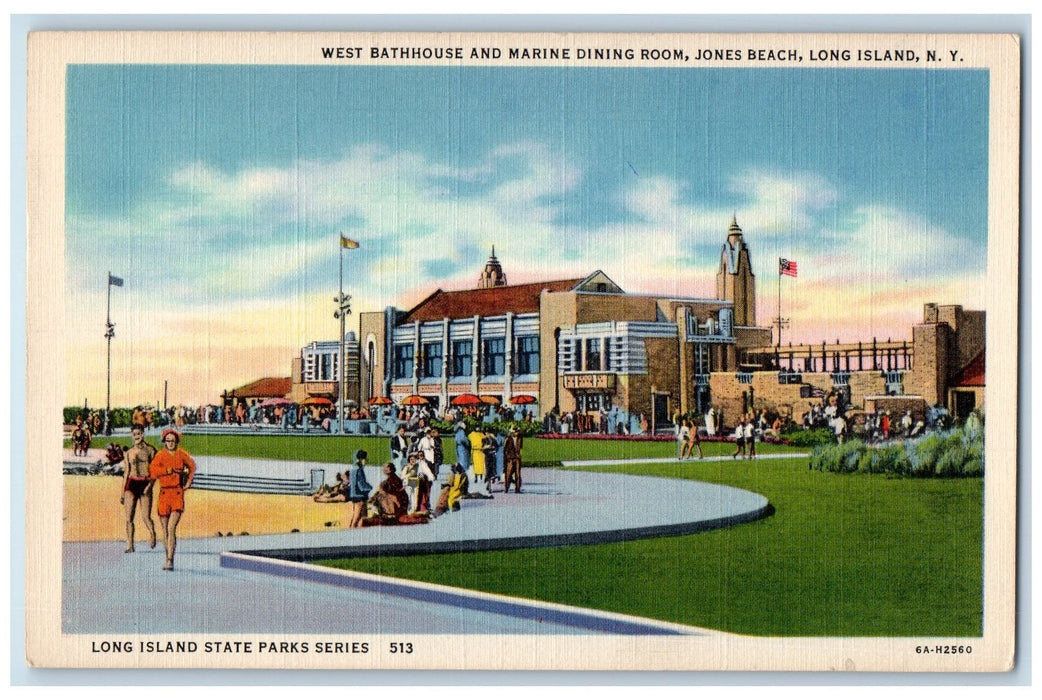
(255, 585)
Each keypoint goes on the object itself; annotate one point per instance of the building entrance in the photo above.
(659, 412)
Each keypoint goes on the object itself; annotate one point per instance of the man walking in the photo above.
(512, 458)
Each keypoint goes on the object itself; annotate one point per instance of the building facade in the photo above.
(316, 371)
(583, 345)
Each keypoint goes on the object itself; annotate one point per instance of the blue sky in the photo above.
(217, 193)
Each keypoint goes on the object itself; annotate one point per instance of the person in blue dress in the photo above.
(462, 446)
(358, 493)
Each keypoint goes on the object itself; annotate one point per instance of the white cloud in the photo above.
(261, 245)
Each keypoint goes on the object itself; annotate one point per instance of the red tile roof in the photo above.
(972, 374)
(495, 301)
(268, 387)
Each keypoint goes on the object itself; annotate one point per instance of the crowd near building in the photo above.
(585, 346)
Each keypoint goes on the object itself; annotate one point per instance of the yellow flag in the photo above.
(346, 242)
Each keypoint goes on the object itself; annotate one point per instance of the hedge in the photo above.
(956, 453)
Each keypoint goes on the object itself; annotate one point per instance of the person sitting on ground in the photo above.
(113, 454)
(337, 493)
(390, 498)
(453, 492)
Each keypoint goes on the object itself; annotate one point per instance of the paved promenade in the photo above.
(264, 584)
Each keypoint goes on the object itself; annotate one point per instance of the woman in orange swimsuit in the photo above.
(174, 469)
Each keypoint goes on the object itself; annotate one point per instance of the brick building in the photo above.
(587, 345)
(580, 344)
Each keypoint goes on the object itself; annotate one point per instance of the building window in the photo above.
(701, 359)
(587, 403)
(403, 361)
(325, 367)
(462, 358)
(593, 354)
(493, 357)
(432, 358)
(527, 357)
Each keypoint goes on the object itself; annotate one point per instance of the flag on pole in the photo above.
(346, 242)
(786, 267)
(116, 281)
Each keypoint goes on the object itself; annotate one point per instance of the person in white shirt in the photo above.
(750, 437)
(683, 432)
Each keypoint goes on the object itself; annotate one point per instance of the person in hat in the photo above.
(512, 460)
(358, 494)
(462, 446)
(399, 447)
(174, 469)
(429, 446)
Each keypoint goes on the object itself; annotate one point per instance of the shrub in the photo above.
(925, 455)
(525, 429)
(809, 438)
(842, 459)
(953, 454)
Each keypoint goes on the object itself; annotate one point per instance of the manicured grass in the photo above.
(843, 555)
(850, 555)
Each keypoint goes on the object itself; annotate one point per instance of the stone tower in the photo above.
(492, 275)
(735, 280)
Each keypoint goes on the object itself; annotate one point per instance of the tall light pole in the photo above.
(343, 302)
(110, 333)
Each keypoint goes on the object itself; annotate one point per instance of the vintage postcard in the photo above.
(522, 351)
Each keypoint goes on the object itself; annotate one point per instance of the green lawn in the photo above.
(843, 555)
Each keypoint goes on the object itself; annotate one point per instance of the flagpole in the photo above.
(343, 363)
(109, 332)
(779, 305)
(343, 302)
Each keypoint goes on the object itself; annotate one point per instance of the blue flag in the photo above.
(117, 281)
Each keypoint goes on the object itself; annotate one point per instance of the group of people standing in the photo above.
(488, 457)
(144, 466)
(412, 491)
(745, 437)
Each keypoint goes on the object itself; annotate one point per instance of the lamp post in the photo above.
(110, 333)
(343, 302)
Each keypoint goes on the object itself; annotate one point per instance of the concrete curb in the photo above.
(550, 613)
(305, 554)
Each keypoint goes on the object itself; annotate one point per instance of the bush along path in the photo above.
(956, 453)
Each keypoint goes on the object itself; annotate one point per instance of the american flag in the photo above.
(786, 267)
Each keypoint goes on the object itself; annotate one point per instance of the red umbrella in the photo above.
(489, 399)
(380, 401)
(414, 400)
(466, 400)
(316, 401)
(523, 398)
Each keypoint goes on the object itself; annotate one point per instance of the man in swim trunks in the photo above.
(137, 485)
(174, 469)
